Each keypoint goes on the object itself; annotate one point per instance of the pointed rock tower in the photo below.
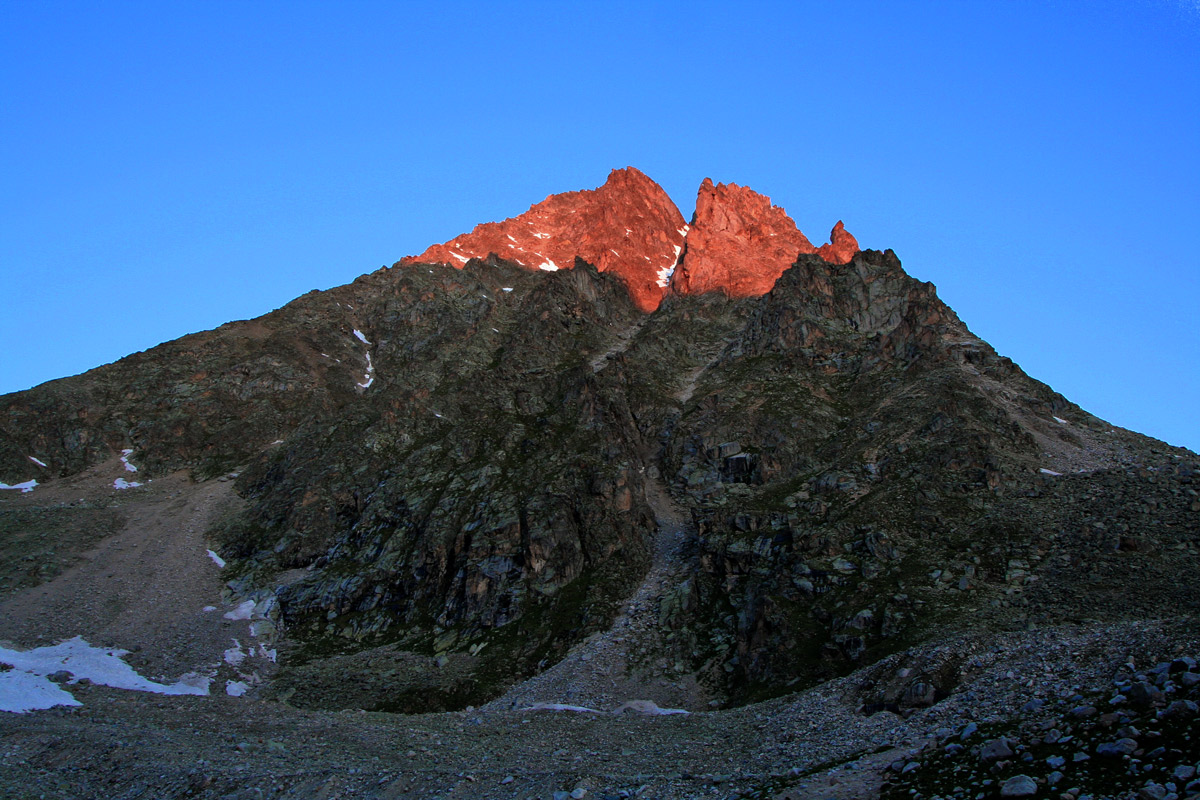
(740, 243)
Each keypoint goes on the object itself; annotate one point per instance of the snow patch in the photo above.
(542, 235)
(369, 378)
(236, 688)
(24, 486)
(121, 483)
(506, 288)
(664, 274)
(37, 461)
(220, 562)
(360, 336)
(648, 707)
(463, 259)
(684, 230)
(207, 609)
(100, 665)
(125, 454)
(510, 238)
(561, 707)
(548, 265)
(1060, 420)
(1045, 471)
(21, 692)
(242, 611)
(235, 655)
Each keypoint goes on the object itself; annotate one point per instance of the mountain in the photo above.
(592, 450)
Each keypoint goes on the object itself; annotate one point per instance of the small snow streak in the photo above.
(463, 259)
(1045, 471)
(542, 235)
(121, 483)
(37, 461)
(664, 274)
(359, 335)
(125, 454)
(25, 486)
(561, 707)
(220, 562)
(369, 378)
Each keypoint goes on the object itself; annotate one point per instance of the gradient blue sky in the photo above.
(167, 167)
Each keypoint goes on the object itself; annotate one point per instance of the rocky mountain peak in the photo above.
(740, 243)
(628, 226)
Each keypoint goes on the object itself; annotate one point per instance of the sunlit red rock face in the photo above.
(841, 248)
(628, 226)
(740, 243)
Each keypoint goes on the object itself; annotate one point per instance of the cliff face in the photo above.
(738, 243)
(628, 227)
(454, 458)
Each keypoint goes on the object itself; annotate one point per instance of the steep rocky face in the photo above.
(740, 243)
(863, 471)
(628, 227)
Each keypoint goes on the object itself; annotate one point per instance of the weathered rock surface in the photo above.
(628, 226)
(740, 243)
(841, 248)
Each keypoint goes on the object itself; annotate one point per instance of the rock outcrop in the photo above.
(628, 226)
(738, 243)
(842, 246)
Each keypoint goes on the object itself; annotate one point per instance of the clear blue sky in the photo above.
(167, 167)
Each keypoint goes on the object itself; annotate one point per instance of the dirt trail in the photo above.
(611, 668)
(145, 587)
